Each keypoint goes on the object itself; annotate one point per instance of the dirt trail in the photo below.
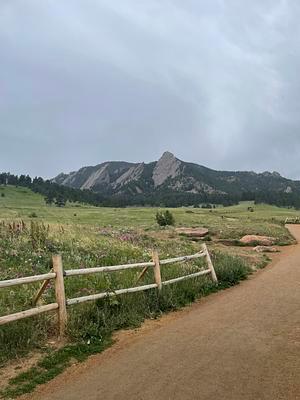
(242, 343)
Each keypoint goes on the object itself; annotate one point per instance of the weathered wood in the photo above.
(28, 313)
(182, 259)
(60, 294)
(157, 274)
(141, 275)
(210, 264)
(295, 220)
(27, 279)
(92, 297)
(58, 274)
(40, 292)
(183, 278)
(86, 271)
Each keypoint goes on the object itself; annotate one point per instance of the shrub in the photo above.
(164, 218)
(230, 270)
(33, 215)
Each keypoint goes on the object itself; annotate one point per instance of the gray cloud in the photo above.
(84, 81)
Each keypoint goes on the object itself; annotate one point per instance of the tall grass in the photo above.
(28, 251)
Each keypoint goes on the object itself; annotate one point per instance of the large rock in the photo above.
(258, 240)
(193, 232)
(168, 166)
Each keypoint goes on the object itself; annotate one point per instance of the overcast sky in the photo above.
(216, 82)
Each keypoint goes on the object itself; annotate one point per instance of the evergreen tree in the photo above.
(49, 199)
(60, 201)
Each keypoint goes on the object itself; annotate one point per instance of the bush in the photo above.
(164, 218)
(33, 215)
(230, 270)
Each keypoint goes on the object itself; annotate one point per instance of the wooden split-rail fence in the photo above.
(292, 220)
(58, 274)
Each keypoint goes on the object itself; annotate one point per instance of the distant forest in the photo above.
(59, 195)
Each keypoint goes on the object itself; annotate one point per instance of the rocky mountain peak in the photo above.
(168, 166)
(170, 176)
(276, 174)
(273, 174)
(167, 156)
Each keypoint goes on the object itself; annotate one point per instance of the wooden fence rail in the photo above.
(292, 220)
(28, 279)
(59, 275)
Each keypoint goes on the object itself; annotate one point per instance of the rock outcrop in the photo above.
(170, 176)
(257, 240)
(193, 232)
(168, 166)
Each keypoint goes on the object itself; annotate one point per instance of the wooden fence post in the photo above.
(210, 264)
(157, 274)
(60, 294)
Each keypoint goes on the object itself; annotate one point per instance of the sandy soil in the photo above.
(242, 343)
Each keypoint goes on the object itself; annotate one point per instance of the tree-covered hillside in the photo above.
(58, 195)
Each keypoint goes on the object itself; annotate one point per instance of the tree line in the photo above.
(58, 195)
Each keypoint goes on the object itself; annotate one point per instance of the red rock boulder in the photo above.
(257, 240)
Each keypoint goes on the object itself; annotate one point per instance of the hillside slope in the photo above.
(169, 174)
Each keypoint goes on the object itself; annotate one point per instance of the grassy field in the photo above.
(89, 236)
(230, 222)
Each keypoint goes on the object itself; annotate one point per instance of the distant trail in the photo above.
(239, 344)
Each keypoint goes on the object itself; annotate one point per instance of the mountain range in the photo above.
(172, 176)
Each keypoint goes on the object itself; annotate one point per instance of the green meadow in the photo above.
(88, 236)
(229, 222)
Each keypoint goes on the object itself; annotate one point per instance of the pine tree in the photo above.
(60, 201)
